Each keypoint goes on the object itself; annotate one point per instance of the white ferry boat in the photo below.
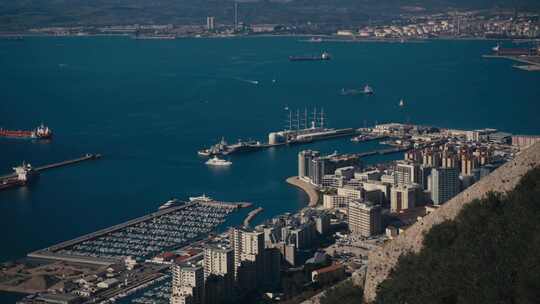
(218, 162)
(203, 198)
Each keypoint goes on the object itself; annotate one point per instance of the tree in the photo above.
(489, 254)
(343, 293)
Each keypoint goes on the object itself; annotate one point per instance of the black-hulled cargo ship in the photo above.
(323, 56)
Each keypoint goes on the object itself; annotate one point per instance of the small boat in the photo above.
(368, 90)
(401, 103)
(204, 152)
(170, 203)
(203, 198)
(216, 161)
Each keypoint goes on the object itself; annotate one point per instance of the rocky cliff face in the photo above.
(382, 261)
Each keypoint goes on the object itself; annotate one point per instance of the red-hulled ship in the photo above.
(41, 132)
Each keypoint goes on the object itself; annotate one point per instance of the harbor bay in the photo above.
(150, 105)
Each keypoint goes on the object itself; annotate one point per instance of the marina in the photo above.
(144, 237)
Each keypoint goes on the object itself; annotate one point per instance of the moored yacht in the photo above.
(216, 161)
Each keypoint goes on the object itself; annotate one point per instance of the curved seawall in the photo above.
(308, 189)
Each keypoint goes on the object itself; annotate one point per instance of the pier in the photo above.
(251, 215)
(68, 162)
(145, 236)
(227, 205)
(533, 62)
(21, 179)
(300, 130)
(382, 152)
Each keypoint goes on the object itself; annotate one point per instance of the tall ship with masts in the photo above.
(302, 128)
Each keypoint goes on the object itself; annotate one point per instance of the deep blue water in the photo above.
(147, 106)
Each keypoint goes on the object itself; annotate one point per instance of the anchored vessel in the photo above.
(499, 51)
(323, 56)
(315, 39)
(24, 174)
(41, 132)
(368, 90)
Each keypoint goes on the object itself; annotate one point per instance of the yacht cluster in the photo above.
(148, 238)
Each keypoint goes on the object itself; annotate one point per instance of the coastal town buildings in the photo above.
(364, 218)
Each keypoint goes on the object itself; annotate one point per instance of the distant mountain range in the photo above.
(21, 14)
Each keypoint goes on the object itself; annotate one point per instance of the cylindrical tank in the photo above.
(272, 138)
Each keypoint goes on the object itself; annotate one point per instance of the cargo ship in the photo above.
(323, 56)
(367, 90)
(499, 51)
(24, 174)
(154, 37)
(41, 132)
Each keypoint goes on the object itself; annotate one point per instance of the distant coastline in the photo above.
(326, 37)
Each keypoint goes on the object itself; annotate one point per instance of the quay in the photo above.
(231, 205)
(51, 251)
(300, 130)
(146, 236)
(251, 215)
(308, 189)
(533, 62)
(382, 152)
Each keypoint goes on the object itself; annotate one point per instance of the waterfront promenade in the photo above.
(308, 189)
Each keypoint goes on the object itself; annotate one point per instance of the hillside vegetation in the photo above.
(489, 254)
